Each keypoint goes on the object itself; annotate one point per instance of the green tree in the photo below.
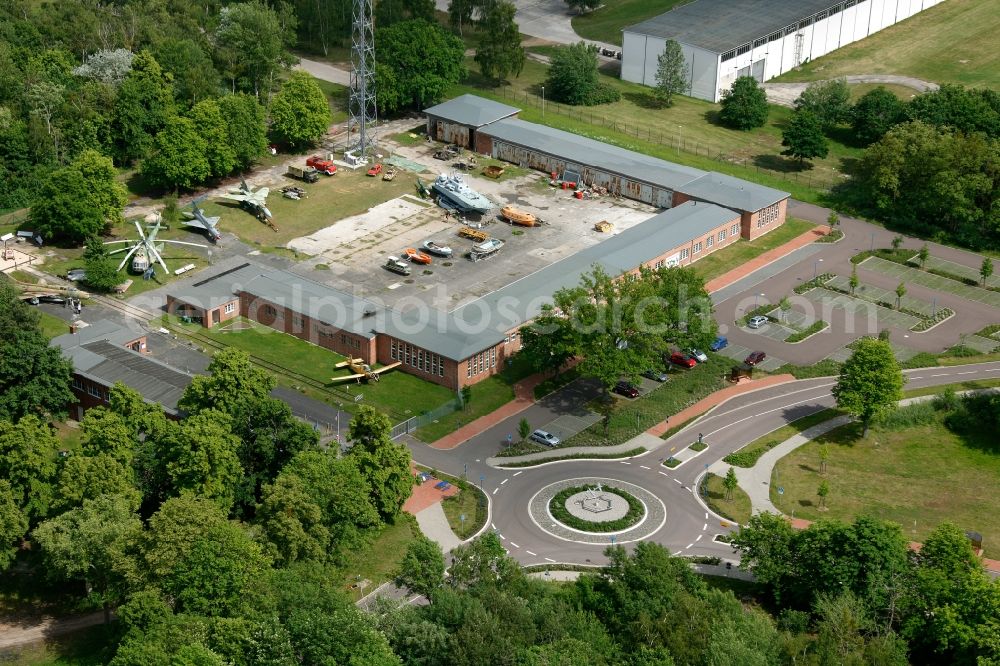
(178, 159)
(252, 39)
(744, 106)
(79, 200)
(854, 281)
(460, 13)
(424, 59)
(292, 522)
(13, 525)
(201, 457)
(523, 429)
(966, 110)
(389, 12)
(986, 270)
(875, 113)
(730, 483)
(466, 394)
(93, 543)
(382, 462)
(824, 457)
(483, 560)
(300, 114)
(900, 292)
(784, 305)
(338, 488)
(88, 477)
(822, 492)
(671, 73)
(924, 254)
(229, 368)
(803, 138)
(499, 53)
(897, 241)
(142, 107)
(27, 463)
(211, 126)
(870, 382)
(101, 273)
(583, 6)
(549, 341)
(245, 129)
(194, 76)
(833, 221)
(422, 567)
(573, 78)
(829, 101)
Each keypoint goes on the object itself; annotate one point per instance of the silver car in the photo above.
(543, 437)
(757, 322)
(698, 354)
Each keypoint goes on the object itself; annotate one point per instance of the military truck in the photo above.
(306, 173)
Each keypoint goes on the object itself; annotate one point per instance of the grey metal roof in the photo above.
(471, 110)
(440, 333)
(97, 353)
(581, 150)
(524, 298)
(732, 192)
(723, 25)
(222, 287)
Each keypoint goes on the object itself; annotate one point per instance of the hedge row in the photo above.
(557, 507)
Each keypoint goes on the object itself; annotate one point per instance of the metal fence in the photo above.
(652, 132)
(411, 424)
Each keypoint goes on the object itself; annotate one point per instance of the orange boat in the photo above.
(416, 256)
(518, 216)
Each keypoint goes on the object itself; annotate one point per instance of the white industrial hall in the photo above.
(726, 39)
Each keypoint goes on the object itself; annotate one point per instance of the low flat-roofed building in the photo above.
(457, 120)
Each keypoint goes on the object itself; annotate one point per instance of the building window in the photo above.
(493, 357)
(759, 42)
(77, 384)
(728, 56)
(684, 253)
(710, 241)
(697, 248)
(743, 49)
(660, 264)
(722, 235)
(230, 308)
(735, 229)
(92, 390)
(392, 350)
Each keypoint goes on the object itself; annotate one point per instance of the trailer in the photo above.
(488, 248)
(473, 234)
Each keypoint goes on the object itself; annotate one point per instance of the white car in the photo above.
(757, 322)
(698, 354)
(543, 437)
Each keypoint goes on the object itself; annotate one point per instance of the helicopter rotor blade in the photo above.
(128, 256)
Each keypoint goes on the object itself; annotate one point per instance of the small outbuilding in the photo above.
(457, 120)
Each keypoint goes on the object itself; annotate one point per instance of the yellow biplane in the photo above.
(361, 370)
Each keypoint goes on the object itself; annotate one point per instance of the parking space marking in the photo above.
(504, 481)
(699, 537)
(705, 526)
(496, 489)
(516, 473)
(663, 473)
(643, 466)
(688, 546)
(530, 553)
(549, 559)
(516, 546)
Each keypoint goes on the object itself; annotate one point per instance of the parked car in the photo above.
(698, 355)
(757, 322)
(375, 170)
(683, 360)
(544, 437)
(720, 342)
(626, 389)
(755, 357)
(655, 375)
(76, 274)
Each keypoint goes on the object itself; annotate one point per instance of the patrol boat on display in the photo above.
(454, 193)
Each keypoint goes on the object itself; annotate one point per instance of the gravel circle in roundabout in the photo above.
(597, 510)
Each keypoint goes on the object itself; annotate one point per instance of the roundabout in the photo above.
(595, 510)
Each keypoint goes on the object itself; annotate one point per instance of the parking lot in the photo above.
(826, 300)
(739, 353)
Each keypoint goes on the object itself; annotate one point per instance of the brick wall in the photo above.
(761, 222)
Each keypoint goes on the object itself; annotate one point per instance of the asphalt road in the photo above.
(689, 527)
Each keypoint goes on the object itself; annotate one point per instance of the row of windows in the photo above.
(729, 55)
(768, 215)
(735, 229)
(416, 357)
(697, 248)
(231, 307)
(481, 362)
(93, 390)
(510, 338)
(349, 341)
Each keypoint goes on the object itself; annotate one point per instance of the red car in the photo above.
(683, 360)
(375, 170)
(755, 357)
(626, 389)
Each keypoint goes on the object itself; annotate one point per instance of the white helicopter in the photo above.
(144, 251)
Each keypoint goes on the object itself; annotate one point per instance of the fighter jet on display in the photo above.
(196, 218)
(252, 201)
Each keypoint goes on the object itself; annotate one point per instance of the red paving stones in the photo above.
(524, 397)
(703, 405)
(425, 494)
(759, 262)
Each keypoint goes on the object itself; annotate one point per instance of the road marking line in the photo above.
(496, 489)
(689, 545)
(549, 559)
(624, 463)
(531, 553)
(678, 552)
(663, 473)
(705, 526)
(699, 537)
(643, 466)
(678, 481)
(943, 374)
(916, 377)
(504, 481)
(971, 372)
(706, 515)
(514, 544)
(500, 534)
(516, 473)
(776, 409)
(493, 525)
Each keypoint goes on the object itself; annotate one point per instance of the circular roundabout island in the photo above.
(597, 510)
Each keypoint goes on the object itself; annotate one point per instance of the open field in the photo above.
(918, 477)
(93, 646)
(487, 396)
(398, 394)
(721, 261)
(377, 562)
(686, 133)
(605, 24)
(736, 509)
(948, 43)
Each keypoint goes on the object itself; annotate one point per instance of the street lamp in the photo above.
(873, 242)
(543, 101)
(756, 299)
(816, 266)
(340, 406)
(679, 138)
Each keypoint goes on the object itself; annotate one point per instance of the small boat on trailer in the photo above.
(416, 256)
(519, 217)
(437, 249)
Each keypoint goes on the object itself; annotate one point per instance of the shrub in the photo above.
(698, 446)
(814, 328)
(557, 507)
(824, 368)
(818, 281)
(917, 414)
(748, 457)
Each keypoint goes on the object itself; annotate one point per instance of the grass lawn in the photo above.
(487, 395)
(724, 260)
(88, 647)
(904, 93)
(790, 430)
(686, 133)
(470, 503)
(918, 477)
(943, 44)
(605, 24)
(52, 326)
(336, 95)
(736, 509)
(630, 417)
(377, 562)
(963, 386)
(398, 394)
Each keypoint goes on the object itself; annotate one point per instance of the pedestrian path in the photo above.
(524, 397)
(434, 524)
(764, 259)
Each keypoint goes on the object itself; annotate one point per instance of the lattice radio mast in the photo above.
(362, 102)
